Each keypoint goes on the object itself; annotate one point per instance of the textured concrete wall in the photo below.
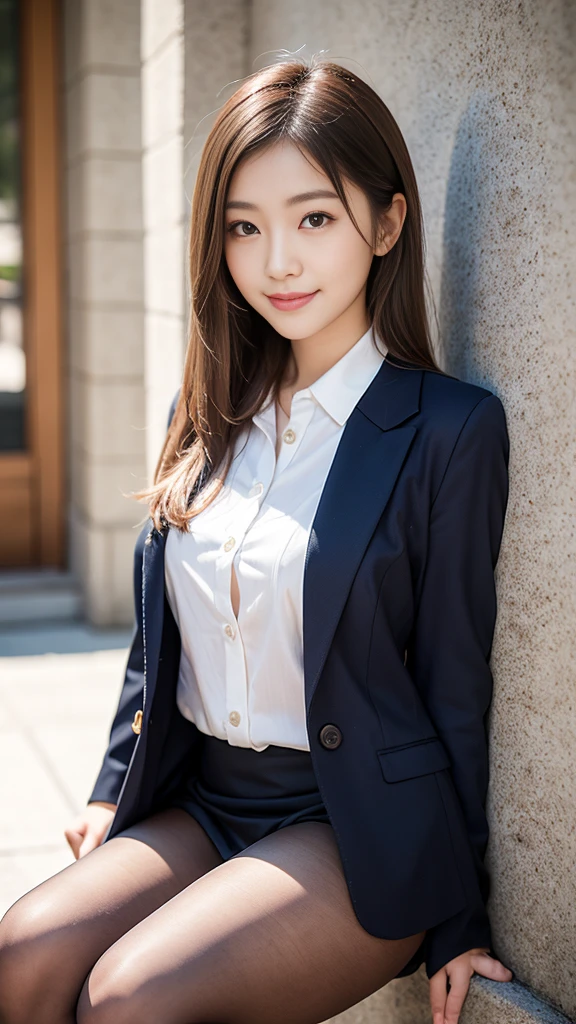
(104, 295)
(216, 57)
(162, 127)
(484, 94)
(405, 1001)
(189, 54)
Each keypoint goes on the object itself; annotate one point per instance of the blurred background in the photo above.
(104, 106)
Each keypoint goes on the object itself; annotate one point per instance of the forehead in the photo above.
(279, 169)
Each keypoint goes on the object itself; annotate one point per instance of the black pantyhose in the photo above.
(153, 928)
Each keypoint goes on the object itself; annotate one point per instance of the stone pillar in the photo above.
(163, 190)
(190, 52)
(104, 288)
(216, 48)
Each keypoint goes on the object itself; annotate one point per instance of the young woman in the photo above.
(291, 809)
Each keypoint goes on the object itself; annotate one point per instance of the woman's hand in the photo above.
(445, 1005)
(87, 831)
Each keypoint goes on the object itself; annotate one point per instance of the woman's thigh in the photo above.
(267, 937)
(54, 934)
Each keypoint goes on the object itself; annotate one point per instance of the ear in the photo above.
(381, 247)
(390, 226)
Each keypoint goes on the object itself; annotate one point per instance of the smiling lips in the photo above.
(291, 300)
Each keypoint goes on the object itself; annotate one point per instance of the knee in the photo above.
(26, 957)
(114, 993)
(117, 991)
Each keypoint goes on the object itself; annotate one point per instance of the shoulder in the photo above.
(450, 407)
(458, 424)
(444, 394)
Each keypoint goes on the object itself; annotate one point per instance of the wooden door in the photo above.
(31, 378)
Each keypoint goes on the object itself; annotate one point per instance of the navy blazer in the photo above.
(399, 609)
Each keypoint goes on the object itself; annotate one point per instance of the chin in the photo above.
(297, 328)
(287, 327)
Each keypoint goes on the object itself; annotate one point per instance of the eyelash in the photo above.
(315, 213)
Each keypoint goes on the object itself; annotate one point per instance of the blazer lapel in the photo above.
(359, 484)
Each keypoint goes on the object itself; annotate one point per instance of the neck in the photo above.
(311, 357)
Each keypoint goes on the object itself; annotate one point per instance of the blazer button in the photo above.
(137, 723)
(330, 736)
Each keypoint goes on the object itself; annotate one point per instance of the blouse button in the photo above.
(229, 543)
(229, 631)
(289, 436)
(234, 718)
(256, 490)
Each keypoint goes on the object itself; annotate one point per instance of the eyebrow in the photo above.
(302, 197)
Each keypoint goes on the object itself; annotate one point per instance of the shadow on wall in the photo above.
(489, 279)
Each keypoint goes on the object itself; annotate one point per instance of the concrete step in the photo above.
(38, 595)
(406, 1001)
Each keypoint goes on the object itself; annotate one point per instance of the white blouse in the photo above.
(241, 678)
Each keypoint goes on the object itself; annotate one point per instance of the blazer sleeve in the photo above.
(122, 739)
(450, 644)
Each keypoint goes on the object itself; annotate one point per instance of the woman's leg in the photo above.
(52, 936)
(267, 937)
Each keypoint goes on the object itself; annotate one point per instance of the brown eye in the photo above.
(315, 217)
(242, 224)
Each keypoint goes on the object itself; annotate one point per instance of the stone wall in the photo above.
(162, 128)
(104, 295)
(189, 53)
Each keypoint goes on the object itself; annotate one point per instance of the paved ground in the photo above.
(58, 691)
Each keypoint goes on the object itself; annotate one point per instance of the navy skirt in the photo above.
(241, 794)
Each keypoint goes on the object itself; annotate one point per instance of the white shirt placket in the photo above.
(237, 720)
(301, 412)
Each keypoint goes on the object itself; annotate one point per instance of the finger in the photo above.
(74, 839)
(438, 996)
(459, 985)
(91, 841)
(490, 967)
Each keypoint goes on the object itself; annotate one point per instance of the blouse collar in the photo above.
(340, 388)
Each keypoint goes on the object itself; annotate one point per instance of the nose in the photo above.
(282, 260)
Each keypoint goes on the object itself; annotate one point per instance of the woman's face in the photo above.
(287, 232)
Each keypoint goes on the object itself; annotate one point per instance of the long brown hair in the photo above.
(234, 357)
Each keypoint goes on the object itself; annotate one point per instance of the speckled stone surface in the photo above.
(488, 1002)
(484, 94)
